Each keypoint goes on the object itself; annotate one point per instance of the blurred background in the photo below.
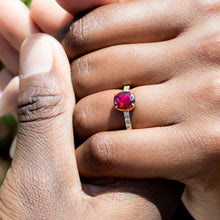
(8, 128)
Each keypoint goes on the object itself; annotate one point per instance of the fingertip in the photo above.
(49, 16)
(43, 62)
(36, 56)
(16, 11)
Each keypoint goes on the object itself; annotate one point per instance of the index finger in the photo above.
(16, 22)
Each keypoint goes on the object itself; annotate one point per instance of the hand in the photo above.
(43, 181)
(44, 16)
(169, 53)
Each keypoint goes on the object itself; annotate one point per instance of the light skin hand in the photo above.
(44, 16)
(170, 56)
(43, 181)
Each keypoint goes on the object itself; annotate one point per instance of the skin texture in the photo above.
(39, 171)
(175, 75)
(12, 36)
(170, 54)
(39, 18)
(43, 181)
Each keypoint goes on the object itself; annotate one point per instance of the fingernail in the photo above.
(36, 56)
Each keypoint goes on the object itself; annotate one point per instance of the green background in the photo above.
(27, 2)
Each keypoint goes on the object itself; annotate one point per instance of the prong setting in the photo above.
(125, 102)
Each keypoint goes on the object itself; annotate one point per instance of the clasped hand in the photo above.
(170, 54)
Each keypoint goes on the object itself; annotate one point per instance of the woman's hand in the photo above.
(17, 22)
(44, 16)
(169, 52)
(43, 181)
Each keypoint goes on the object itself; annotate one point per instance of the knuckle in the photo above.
(77, 30)
(80, 70)
(76, 37)
(100, 152)
(39, 104)
(209, 48)
(82, 118)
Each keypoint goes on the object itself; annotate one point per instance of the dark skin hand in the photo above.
(43, 181)
(157, 198)
(169, 53)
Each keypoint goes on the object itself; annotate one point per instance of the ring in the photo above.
(125, 102)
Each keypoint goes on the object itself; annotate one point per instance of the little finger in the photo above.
(162, 152)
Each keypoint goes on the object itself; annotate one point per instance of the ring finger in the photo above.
(156, 105)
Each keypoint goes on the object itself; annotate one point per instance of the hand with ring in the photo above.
(43, 181)
(44, 16)
(17, 22)
(169, 54)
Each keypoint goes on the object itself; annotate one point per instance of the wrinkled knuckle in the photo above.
(100, 152)
(39, 105)
(80, 70)
(81, 118)
(76, 37)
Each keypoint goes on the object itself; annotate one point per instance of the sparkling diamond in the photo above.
(126, 114)
(124, 101)
(127, 120)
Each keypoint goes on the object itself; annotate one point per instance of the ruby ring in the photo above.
(125, 102)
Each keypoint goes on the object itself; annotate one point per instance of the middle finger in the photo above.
(131, 64)
(124, 23)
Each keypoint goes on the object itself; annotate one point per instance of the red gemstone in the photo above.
(124, 101)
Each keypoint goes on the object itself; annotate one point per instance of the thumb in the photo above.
(46, 100)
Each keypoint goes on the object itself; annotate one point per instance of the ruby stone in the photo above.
(124, 101)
